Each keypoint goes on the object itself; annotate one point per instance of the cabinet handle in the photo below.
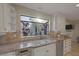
(23, 51)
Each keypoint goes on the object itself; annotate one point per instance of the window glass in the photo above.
(33, 26)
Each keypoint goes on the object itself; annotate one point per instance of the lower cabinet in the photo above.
(24, 52)
(67, 46)
(59, 48)
(48, 50)
(63, 47)
(9, 54)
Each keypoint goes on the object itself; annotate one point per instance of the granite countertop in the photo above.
(25, 44)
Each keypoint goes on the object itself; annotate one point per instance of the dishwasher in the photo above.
(24, 52)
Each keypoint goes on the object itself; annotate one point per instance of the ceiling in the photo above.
(67, 9)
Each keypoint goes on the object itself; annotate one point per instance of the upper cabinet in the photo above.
(7, 18)
(1, 17)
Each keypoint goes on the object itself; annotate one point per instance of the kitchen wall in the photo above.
(75, 32)
(56, 22)
(33, 13)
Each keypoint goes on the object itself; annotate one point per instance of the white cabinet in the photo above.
(48, 50)
(9, 54)
(67, 46)
(1, 18)
(7, 18)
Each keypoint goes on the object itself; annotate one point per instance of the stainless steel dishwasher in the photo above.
(59, 48)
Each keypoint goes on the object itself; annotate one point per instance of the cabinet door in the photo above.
(9, 54)
(48, 50)
(67, 46)
(9, 18)
(51, 50)
(6, 17)
(40, 51)
(1, 18)
(12, 19)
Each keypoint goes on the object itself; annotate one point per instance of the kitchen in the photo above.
(36, 39)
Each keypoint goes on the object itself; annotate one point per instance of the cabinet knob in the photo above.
(47, 51)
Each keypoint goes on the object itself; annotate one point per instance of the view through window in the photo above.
(33, 26)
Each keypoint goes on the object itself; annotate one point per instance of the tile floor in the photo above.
(75, 49)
